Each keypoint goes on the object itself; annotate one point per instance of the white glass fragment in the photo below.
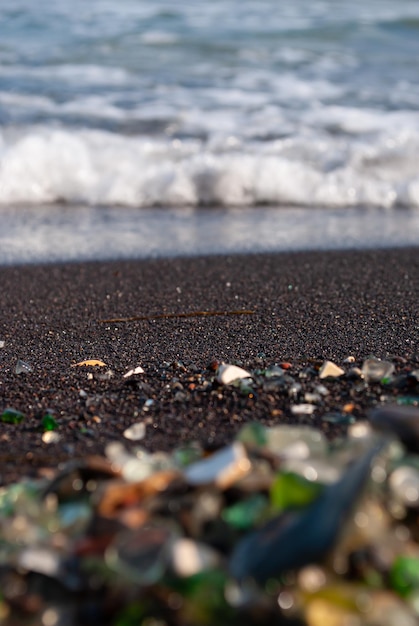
(330, 370)
(134, 371)
(22, 367)
(227, 374)
(223, 468)
(190, 558)
(51, 436)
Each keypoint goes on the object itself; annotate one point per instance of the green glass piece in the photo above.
(48, 422)
(131, 615)
(246, 514)
(243, 386)
(386, 380)
(289, 491)
(204, 601)
(13, 496)
(339, 418)
(11, 416)
(253, 434)
(404, 575)
(187, 455)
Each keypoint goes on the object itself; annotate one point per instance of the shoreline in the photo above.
(57, 233)
(308, 307)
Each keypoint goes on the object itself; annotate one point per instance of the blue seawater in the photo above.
(221, 103)
(228, 102)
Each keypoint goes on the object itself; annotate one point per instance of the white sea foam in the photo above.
(219, 103)
(44, 165)
(77, 74)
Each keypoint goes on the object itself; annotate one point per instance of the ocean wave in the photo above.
(47, 165)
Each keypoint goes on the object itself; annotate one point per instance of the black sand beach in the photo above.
(306, 307)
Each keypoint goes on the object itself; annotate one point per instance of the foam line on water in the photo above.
(45, 165)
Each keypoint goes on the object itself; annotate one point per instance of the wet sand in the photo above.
(307, 307)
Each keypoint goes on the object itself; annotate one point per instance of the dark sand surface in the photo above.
(307, 307)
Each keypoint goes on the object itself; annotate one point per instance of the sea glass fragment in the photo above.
(404, 575)
(360, 430)
(290, 491)
(312, 398)
(187, 454)
(274, 371)
(331, 611)
(74, 516)
(402, 421)
(141, 557)
(375, 370)
(11, 416)
(314, 469)
(2, 343)
(39, 559)
(245, 386)
(226, 373)
(302, 409)
(253, 434)
(404, 484)
(118, 495)
(22, 367)
(285, 439)
(135, 432)
(244, 515)
(49, 422)
(408, 401)
(223, 468)
(330, 370)
(204, 599)
(296, 538)
(339, 418)
(134, 371)
(189, 557)
(51, 437)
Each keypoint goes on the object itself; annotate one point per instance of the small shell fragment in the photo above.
(90, 363)
(227, 373)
